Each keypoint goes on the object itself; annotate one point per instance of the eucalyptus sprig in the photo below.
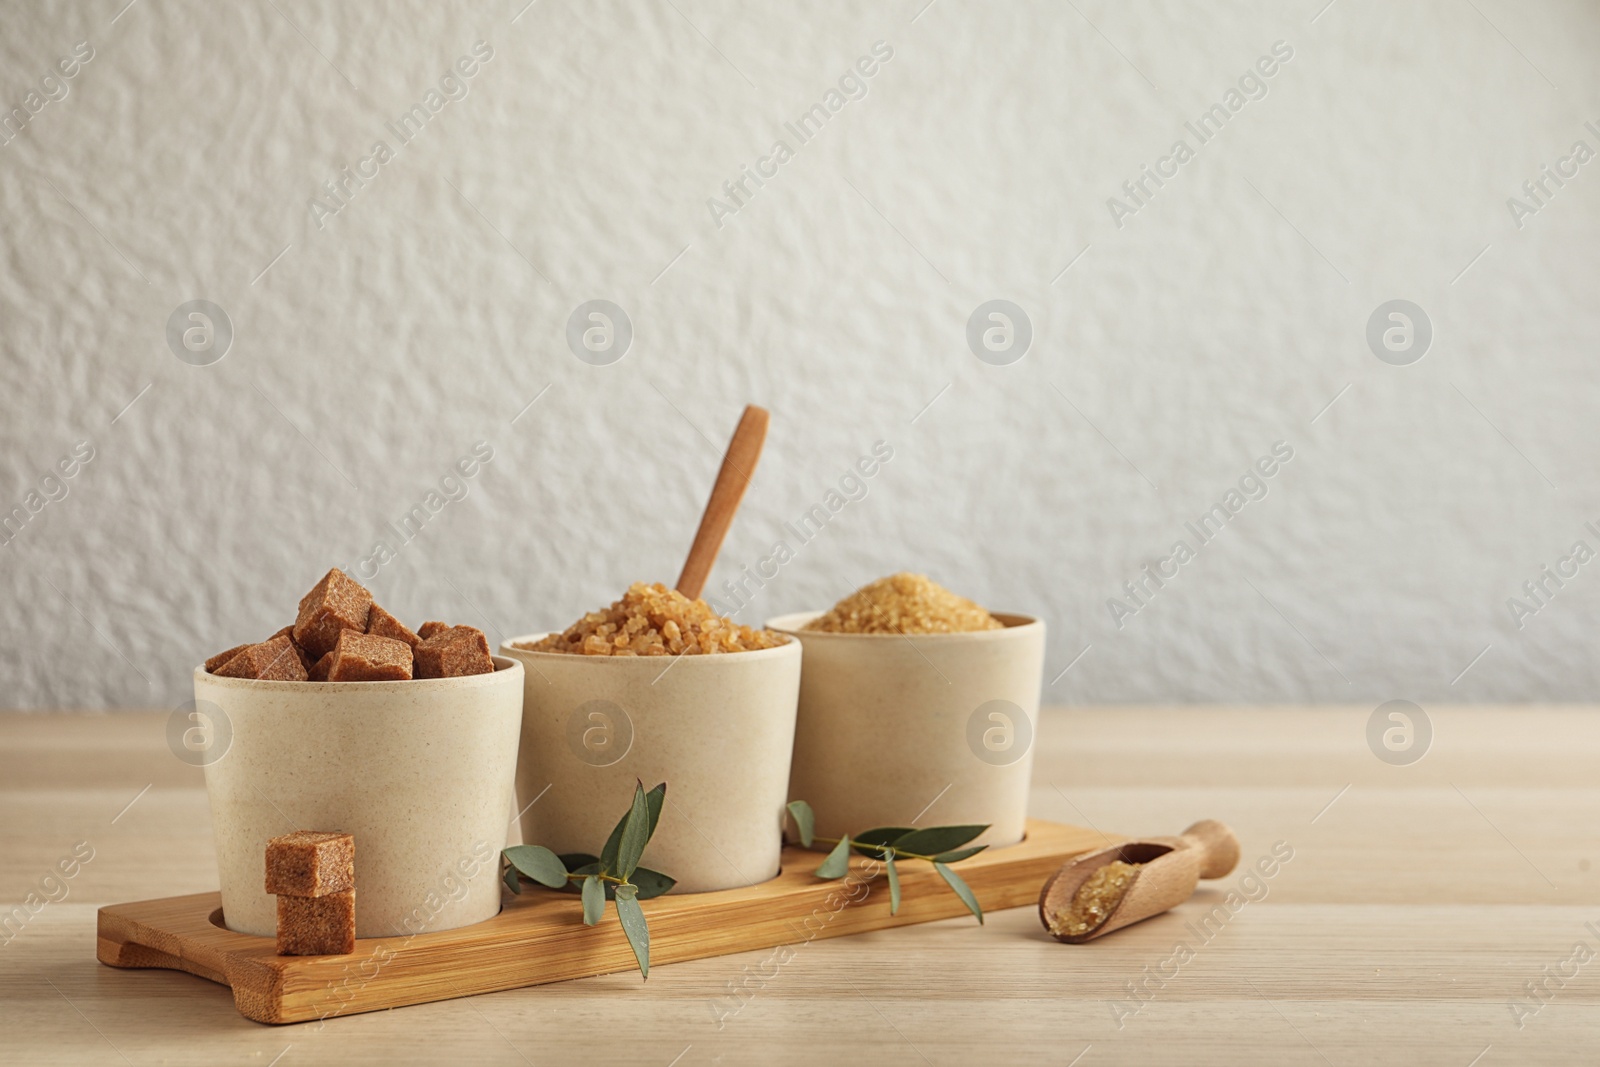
(938, 845)
(614, 875)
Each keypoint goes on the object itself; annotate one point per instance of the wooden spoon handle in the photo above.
(738, 465)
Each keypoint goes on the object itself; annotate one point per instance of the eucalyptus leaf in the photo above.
(581, 872)
(881, 835)
(574, 860)
(594, 900)
(650, 883)
(894, 883)
(608, 855)
(513, 883)
(959, 854)
(632, 918)
(936, 839)
(539, 864)
(804, 820)
(837, 865)
(961, 889)
(635, 834)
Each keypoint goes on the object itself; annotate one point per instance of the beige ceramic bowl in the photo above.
(421, 772)
(924, 729)
(719, 730)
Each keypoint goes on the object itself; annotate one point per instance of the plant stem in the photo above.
(883, 850)
(602, 877)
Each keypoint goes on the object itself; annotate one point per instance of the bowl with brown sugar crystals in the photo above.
(658, 687)
(912, 693)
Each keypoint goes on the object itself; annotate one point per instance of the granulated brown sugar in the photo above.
(652, 620)
(904, 604)
(1095, 899)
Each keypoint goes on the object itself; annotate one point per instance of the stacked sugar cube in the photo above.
(313, 875)
(340, 635)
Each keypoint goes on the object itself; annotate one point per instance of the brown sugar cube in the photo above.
(336, 603)
(311, 863)
(222, 658)
(319, 669)
(452, 653)
(369, 658)
(275, 660)
(432, 629)
(317, 926)
(383, 624)
(305, 658)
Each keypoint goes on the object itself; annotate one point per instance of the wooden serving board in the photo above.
(539, 936)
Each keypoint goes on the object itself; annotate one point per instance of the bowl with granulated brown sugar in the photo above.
(656, 687)
(915, 701)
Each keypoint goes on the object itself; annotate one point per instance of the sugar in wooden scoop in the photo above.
(1096, 899)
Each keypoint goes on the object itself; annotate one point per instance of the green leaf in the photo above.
(651, 883)
(574, 860)
(894, 883)
(633, 924)
(882, 835)
(804, 820)
(513, 883)
(961, 889)
(959, 854)
(594, 900)
(582, 872)
(608, 855)
(936, 839)
(837, 865)
(635, 834)
(539, 864)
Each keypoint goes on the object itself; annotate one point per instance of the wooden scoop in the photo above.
(1170, 869)
(738, 465)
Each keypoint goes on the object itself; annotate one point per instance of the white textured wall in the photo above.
(425, 315)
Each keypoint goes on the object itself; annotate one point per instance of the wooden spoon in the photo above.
(1170, 869)
(738, 464)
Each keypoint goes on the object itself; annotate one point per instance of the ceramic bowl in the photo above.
(920, 729)
(421, 772)
(719, 730)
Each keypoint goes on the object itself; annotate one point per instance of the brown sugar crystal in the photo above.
(1096, 899)
(317, 926)
(276, 660)
(381, 623)
(452, 653)
(904, 604)
(336, 603)
(369, 658)
(432, 629)
(652, 620)
(311, 863)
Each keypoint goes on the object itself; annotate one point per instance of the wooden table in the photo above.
(1418, 904)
